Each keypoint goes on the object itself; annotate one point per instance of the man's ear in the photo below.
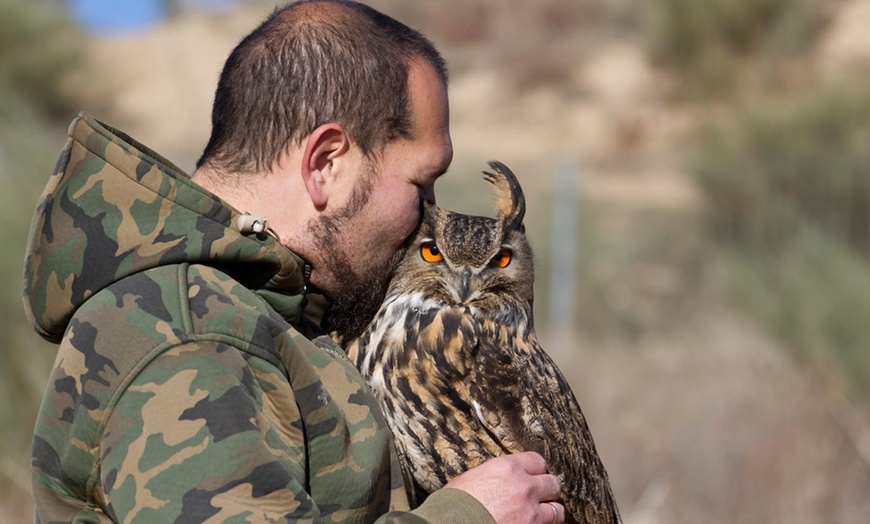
(323, 147)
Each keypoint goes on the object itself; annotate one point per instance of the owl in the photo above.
(452, 357)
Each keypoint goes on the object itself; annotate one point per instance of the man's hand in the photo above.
(515, 489)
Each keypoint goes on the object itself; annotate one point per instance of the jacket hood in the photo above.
(113, 208)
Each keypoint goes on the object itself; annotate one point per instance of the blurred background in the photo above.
(698, 184)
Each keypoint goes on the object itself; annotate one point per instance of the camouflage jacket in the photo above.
(185, 387)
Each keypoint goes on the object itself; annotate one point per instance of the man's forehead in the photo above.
(428, 92)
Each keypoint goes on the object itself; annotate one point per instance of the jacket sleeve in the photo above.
(447, 506)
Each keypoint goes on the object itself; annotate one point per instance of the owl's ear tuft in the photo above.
(509, 199)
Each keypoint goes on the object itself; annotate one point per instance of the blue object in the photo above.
(108, 16)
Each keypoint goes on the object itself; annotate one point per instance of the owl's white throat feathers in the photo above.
(391, 321)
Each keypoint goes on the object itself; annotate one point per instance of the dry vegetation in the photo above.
(720, 343)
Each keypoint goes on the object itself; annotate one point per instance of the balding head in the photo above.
(310, 63)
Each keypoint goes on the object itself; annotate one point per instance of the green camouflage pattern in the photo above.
(188, 386)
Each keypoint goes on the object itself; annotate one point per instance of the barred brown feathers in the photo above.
(453, 358)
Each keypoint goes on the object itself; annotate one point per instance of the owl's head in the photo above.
(481, 262)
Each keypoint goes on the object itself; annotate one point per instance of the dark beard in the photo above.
(351, 310)
(348, 316)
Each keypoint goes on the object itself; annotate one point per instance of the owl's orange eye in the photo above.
(502, 259)
(430, 253)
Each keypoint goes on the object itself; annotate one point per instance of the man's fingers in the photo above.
(514, 489)
(552, 512)
(550, 487)
(533, 463)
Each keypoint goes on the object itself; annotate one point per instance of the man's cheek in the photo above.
(412, 220)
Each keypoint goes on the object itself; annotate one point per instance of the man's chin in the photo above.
(357, 302)
(351, 311)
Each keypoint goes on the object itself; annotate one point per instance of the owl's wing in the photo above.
(525, 402)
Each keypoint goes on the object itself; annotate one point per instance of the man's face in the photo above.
(361, 246)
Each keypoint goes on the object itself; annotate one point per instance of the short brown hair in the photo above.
(310, 63)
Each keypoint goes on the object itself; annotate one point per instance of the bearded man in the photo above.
(189, 386)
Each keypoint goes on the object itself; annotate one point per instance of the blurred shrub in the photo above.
(815, 298)
(39, 48)
(27, 154)
(708, 42)
(787, 191)
(28, 148)
(785, 166)
(629, 286)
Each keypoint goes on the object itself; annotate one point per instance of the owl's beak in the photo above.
(465, 284)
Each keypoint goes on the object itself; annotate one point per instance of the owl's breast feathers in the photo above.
(411, 332)
(529, 405)
(459, 387)
(417, 355)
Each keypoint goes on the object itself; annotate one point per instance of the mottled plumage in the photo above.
(453, 358)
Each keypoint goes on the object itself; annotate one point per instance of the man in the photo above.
(188, 385)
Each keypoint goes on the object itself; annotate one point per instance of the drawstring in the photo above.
(248, 224)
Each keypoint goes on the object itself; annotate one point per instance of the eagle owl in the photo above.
(453, 359)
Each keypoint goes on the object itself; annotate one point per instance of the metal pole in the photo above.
(563, 248)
